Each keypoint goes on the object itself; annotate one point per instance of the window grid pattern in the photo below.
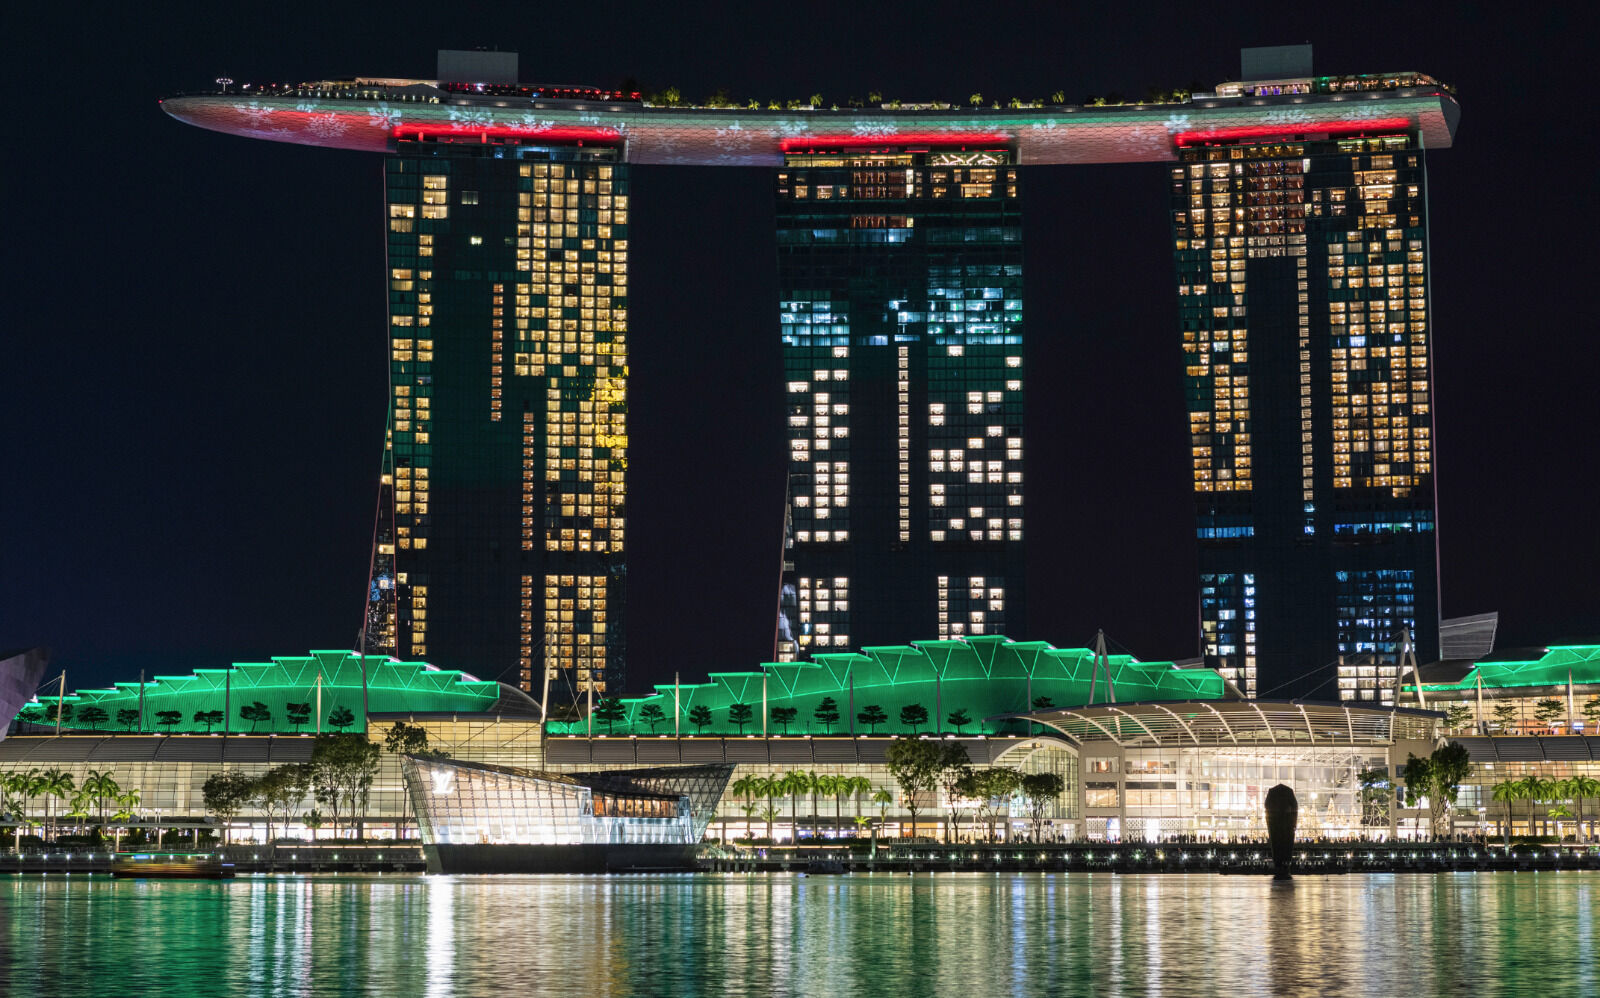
(529, 301)
(900, 311)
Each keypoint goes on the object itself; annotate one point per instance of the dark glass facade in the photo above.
(1303, 296)
(900, 282)
(501, 534)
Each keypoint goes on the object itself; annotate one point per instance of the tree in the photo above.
(58, 709)
(795, 785)
(1438, 778)
(341, 718)
(1505, 716)
(913, 716)
(700, 716)
(1457, 715)
(1505, 792)
(872, 716)
(652, 714)
(959, 719)
(168, 718)
(1547, 711)
(255, 712)
(989, 788)
(280, 790)
(92, 716)
(98, 787)
(953, 780)
(127, 717)
(13, 800)
(1039, 791)
(208, 718)
(976, 100)
(1043, 703)
(225, 795)
(313, 820)
(402, 739)
(1581, 787)
(343, 767)
(299, 714)
(610, 710)
(917, 764)
(739, 715)
(1377, 796)
(1533, 790)
(827, 714)
(784, 716)
(52, 783)
(127, 810)
(1591, 714)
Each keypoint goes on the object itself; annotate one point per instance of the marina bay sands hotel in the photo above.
(1299, 233)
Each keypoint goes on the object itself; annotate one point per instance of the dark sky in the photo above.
(194, 324)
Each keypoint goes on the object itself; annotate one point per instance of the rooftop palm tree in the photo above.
(1505, 792)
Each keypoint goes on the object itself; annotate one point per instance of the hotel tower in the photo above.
(1299, 229)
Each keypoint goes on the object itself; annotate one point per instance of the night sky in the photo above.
(194, 333)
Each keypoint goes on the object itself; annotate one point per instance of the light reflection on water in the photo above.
(955, 934)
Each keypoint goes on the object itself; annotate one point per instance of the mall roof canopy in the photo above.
(1238, 722)
(986, 677)
(325, 683)
(1511, 668)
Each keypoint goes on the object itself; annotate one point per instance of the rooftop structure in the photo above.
(372, 115)
(987, 677)
(327, 683)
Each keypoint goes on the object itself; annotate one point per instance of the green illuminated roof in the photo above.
(1552, 666)
(392, 686)
(985, 676)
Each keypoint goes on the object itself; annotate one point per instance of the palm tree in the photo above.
(20, 787)
(883, 799)
(771, 787)
(97, 787)
(749, 787)
(1534, 791)
(127, 810)
(795, 785)
(1583, 786)
(52, 783)
(828, 786)
(1505, 792)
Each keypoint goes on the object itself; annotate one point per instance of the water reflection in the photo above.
(958, 935)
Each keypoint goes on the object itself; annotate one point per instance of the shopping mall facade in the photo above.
(1144, 749)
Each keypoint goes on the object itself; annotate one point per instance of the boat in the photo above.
(171, 866)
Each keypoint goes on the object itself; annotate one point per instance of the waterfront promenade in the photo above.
(1311, 858)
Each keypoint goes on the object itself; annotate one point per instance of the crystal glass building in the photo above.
(900, 277)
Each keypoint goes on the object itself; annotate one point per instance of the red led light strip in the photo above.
(942, 139)
(481, 134)
(1297, 128)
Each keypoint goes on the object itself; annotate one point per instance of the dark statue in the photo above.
(1282, 813)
